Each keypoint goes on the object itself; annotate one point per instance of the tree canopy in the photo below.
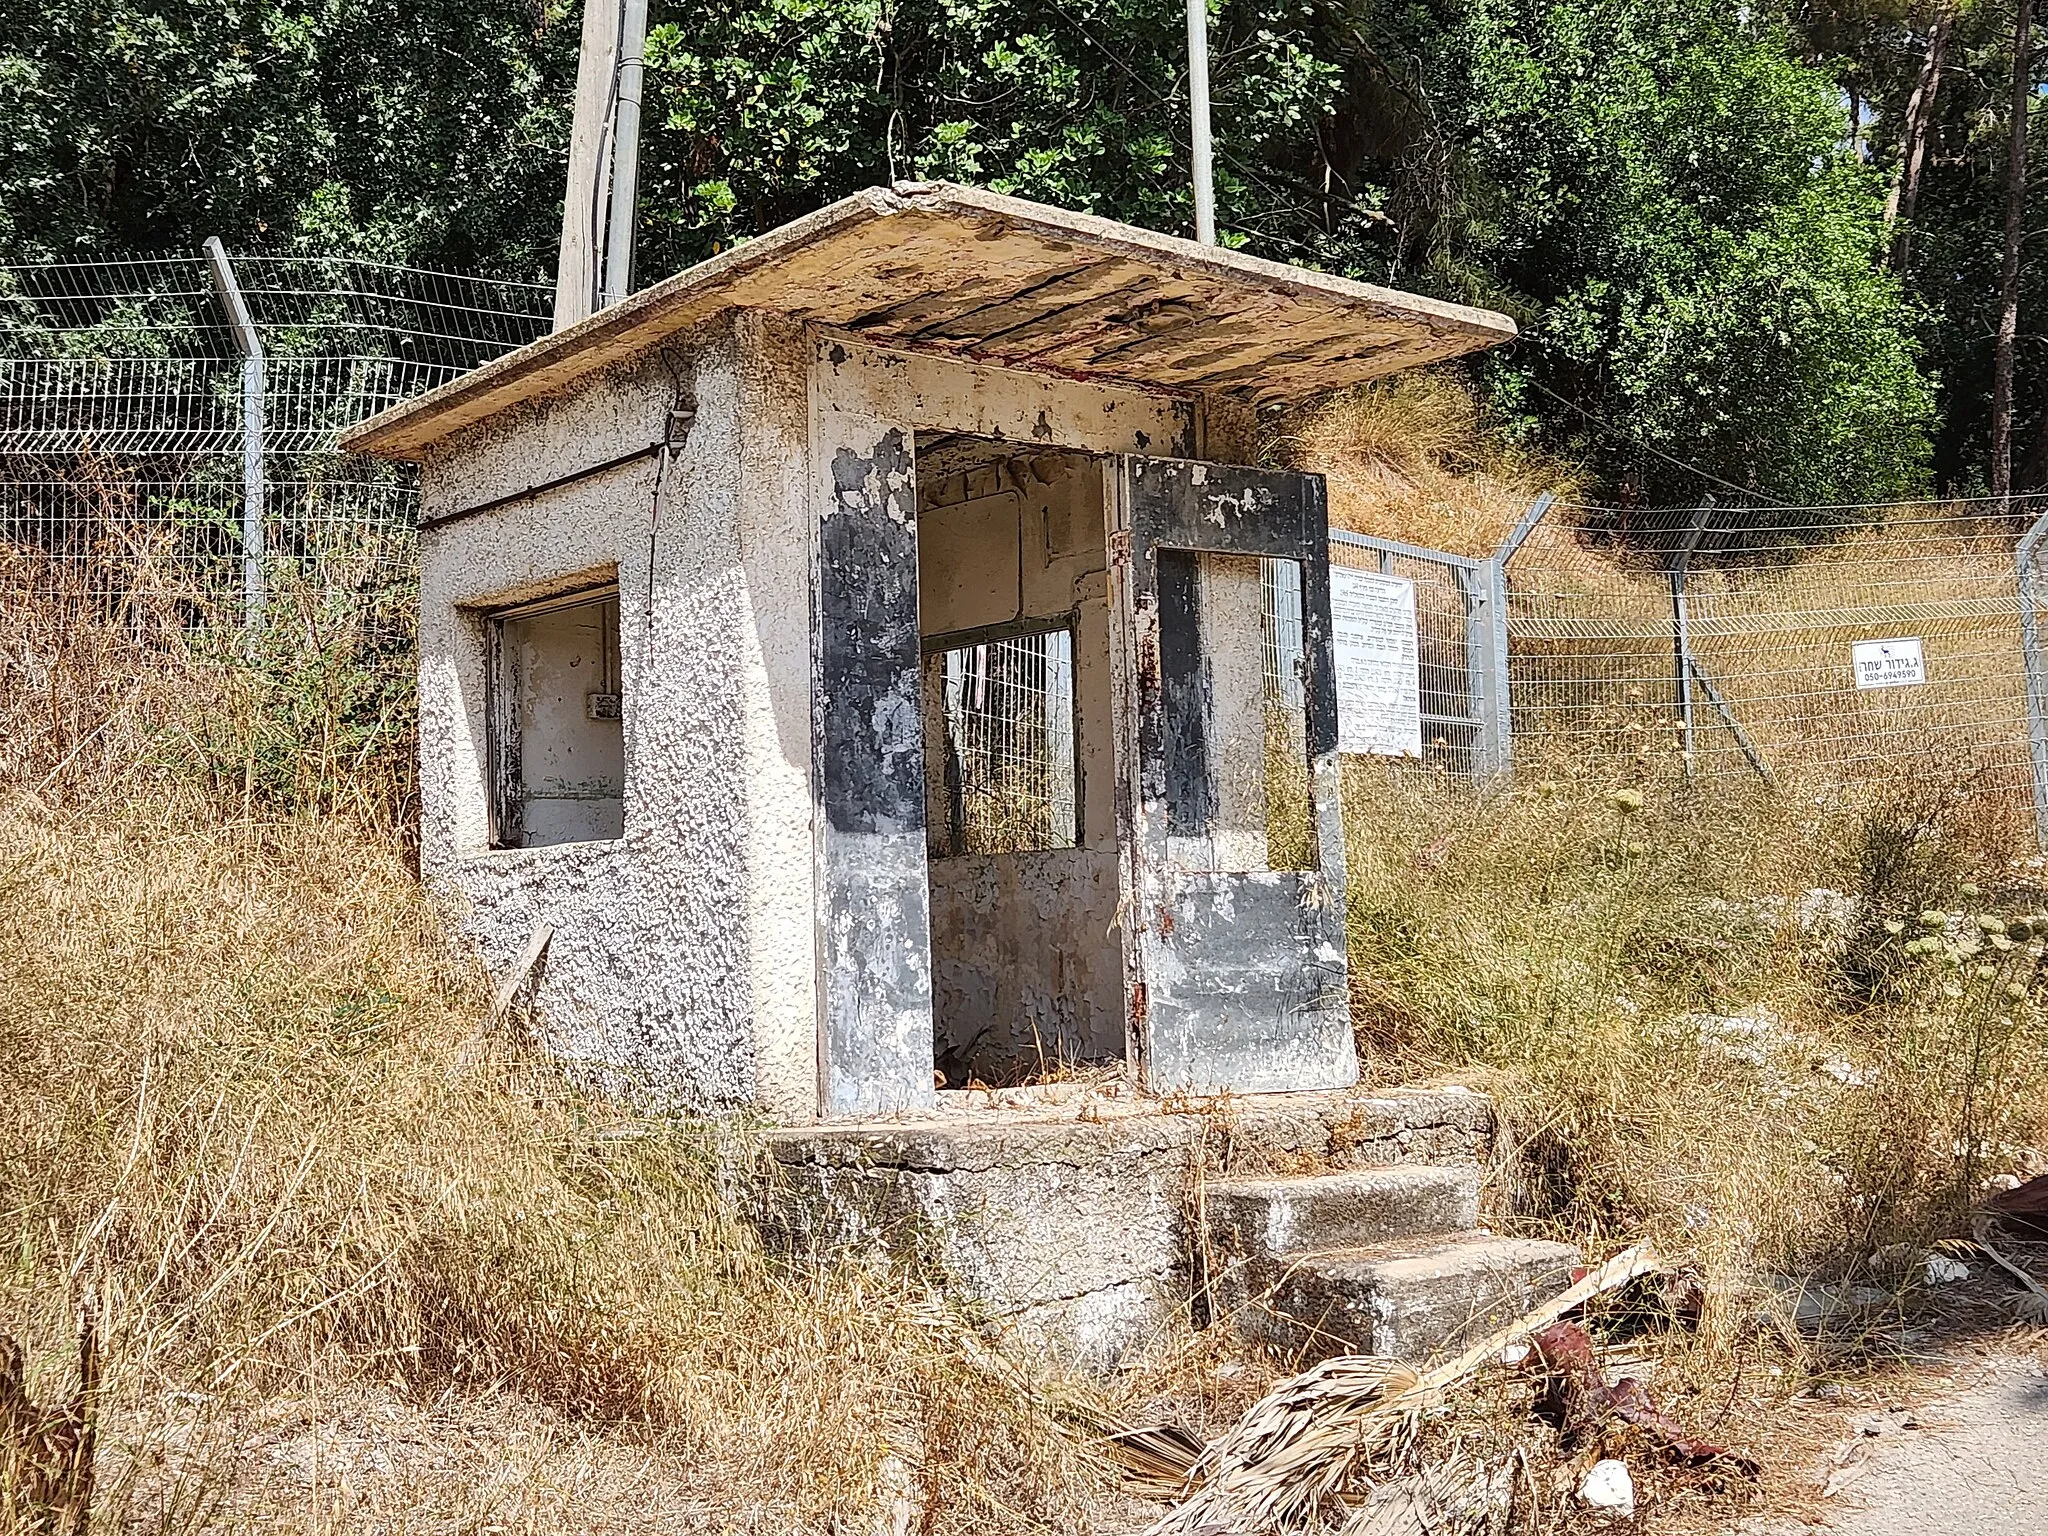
(1669, 195)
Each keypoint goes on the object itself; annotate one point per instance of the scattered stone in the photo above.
(1842, 1071)
(1943, 1270)
(1609, 1487)
(1744, 1037)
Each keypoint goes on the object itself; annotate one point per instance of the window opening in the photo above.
(1234, 726)
(556, 713)
(1281, 581)
(1008, 709)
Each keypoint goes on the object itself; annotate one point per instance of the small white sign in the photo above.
(1889, 663)
(1379, 684)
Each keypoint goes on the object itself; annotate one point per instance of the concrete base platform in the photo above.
(1061, 1214)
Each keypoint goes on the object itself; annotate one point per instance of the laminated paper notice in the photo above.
(1379, 690)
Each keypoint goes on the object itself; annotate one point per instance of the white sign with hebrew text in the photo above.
(1379, 684)
(1889, 663)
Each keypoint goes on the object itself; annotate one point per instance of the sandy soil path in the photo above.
(1971, 1464)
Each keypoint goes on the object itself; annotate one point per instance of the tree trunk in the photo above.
(1898, 206)
(2009, 267)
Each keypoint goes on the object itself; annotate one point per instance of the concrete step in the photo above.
(1277, 1218)
(1414, 1298)
(1355, 1128)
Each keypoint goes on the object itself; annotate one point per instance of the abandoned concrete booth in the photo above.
(868, 655)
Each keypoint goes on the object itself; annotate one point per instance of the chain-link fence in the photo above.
(1835, 643)
(140, 357)
(140, 426)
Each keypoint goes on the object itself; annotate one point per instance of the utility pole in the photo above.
(2006, 343)
(1198, 124)
(618, 245)
(577, 273)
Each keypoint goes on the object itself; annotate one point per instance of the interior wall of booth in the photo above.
(1027, 958)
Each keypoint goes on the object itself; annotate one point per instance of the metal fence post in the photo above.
(2025, 560)
(1485, 593)
(1681, 638)
(250, 345)
(1485, 669)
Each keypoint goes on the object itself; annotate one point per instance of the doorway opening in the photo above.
(1020, 761)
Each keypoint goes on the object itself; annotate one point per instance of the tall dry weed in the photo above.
(1671, 990)
(244, 1102)
(1413, 458)
(125, 668)
(249, 1106)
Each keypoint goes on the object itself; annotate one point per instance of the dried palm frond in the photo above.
(1455, 1497)
(1302, 1442)
(1158, 1460)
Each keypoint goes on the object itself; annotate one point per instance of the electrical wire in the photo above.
(1750, 492)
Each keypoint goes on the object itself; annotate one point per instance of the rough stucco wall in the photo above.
(775, 521)
(646, 976)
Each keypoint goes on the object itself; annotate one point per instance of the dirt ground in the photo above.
(1964, 1451)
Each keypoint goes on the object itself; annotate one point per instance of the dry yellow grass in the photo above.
(1412, 459)
(244, 1106)
(1699, 1026)
(348, 1249)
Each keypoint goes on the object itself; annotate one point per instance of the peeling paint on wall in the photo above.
(1237, 980)
(869, 772)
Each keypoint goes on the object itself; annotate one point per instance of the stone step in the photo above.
(1277, 1218)
(1413, 1298)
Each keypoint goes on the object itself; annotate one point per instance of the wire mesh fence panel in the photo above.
(123, 435)
(1008, 768)
(93, 539)
(136, 357)
(1816, 647)
(1444, 681)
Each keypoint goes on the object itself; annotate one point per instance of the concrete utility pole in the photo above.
(618, 246)
(577, 273)
(1198, 124)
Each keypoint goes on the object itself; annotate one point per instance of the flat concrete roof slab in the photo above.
(953, 270)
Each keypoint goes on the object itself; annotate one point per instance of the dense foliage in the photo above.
(1668, 194)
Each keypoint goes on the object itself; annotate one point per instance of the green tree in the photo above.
(1665, 194)
(372, 127)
